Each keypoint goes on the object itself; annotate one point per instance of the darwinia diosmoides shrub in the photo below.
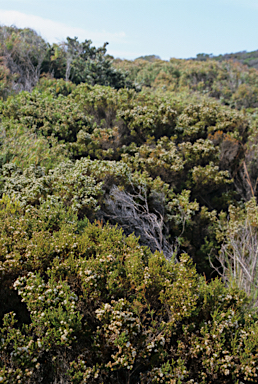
(99, 308)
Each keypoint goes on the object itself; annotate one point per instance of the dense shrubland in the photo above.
(87, 304)
(231, 82)
(244, 57)
(128, 217)
(25, 56)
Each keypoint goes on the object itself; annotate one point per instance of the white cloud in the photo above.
(54, 31)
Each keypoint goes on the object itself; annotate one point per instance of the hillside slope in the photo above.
(129, 221)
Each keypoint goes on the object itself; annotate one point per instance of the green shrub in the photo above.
(103, 309)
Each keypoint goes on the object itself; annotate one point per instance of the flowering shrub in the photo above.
(83, 171)
(78, 143)
(96, 307)
(218, 77)
(49, 305)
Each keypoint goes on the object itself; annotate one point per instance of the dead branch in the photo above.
(238, 259)
(131, 212)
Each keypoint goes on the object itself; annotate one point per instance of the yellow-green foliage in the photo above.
(233, 83)
(123, 138)
(81, 300)
(100, 308)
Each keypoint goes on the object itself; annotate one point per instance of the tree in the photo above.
(83, 63)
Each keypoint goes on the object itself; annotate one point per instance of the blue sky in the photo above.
(168, 28)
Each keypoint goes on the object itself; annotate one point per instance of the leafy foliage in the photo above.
(126, 189)
(23, 52)
(25, 56)
(229, 81)
(100, 307)
(155, 141)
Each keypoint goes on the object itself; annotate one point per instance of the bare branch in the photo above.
(132, 213)
(238, 258)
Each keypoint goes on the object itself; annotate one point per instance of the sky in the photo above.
(133, 28)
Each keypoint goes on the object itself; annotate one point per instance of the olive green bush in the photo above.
(120, 206)
(96, 307)
(119, 210)
(161, 143)
(229, 81)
